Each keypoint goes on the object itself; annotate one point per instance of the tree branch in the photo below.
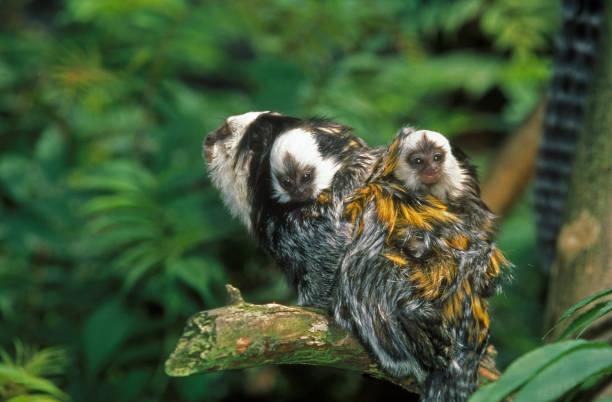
(243, 335)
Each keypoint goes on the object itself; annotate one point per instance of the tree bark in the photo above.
(583, 262)
(243, 335)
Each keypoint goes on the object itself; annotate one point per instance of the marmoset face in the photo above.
(299, 171)
(426, 163)
(286, 153)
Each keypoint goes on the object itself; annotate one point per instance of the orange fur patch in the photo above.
(496, 261)
(479, 313)
(411, 217)
(396, 258)
(390, 162)
(395, 213)
(431, 282)
(459, 242)
(324, 197)
(451, 309)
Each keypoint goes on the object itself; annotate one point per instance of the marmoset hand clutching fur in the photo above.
(402, 267)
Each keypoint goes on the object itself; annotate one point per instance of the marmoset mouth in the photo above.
(430, 178)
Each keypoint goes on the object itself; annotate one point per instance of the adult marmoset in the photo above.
(307, 239)
(367, 249)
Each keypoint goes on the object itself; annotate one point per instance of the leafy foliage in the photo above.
(582, 321)
(110, 233)
(562, 368)
(22, 377)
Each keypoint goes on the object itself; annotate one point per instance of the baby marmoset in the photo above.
(433, 260)
(428, 164)
(350, 249)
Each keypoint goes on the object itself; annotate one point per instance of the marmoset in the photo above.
(433, 263)
(307, 239)
(428, 164)
(390, 264)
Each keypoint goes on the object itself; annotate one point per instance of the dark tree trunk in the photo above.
(583, 261)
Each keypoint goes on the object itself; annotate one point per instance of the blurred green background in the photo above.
(111, 235)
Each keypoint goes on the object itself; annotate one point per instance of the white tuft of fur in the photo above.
(453, 176)
(229, 178)
(302, 146)
(240, 122)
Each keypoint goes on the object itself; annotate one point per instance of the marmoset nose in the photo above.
(212, 138)
(216, 135)
(301, 194)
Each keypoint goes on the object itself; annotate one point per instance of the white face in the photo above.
(229, 178)
(451, 181)
(301, 146)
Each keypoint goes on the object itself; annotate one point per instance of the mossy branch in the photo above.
(243, 335)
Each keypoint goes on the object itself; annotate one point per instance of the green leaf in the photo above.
(51, 145)
(280, 81)
(18, 375)
(112, 202)
(115, 239)
(109, 220)
(34, 398)
(584, 320)
(116, 175)
(104, 332)
(135, 253)
(567, 372)
(184, 241)
(202, 274)
(139, 269)
(578, 306)
(522, 369)
(43, 362)
(47, 361)
(111, 183)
